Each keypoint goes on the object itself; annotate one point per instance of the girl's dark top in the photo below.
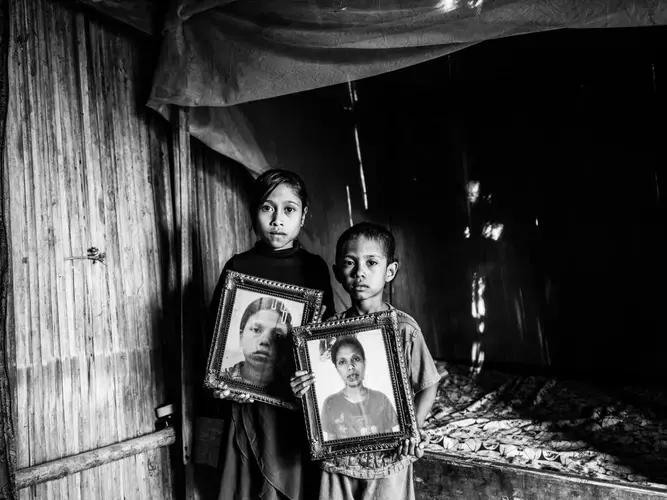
(265, 455)
(294, 266)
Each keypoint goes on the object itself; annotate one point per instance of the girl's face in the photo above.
(350, 365)
(280, 218)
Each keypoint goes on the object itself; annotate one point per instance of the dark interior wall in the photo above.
(564, 133)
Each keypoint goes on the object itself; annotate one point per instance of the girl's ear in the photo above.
(303, 217)
(392, 269)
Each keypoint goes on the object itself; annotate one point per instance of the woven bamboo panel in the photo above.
(88, 167)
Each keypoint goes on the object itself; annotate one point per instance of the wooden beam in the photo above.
(440, 476)
(143, 15)
(62, 467)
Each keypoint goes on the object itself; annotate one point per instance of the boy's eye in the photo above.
(348, 263)
(372, 262)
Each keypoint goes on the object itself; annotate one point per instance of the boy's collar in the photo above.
(352, 312)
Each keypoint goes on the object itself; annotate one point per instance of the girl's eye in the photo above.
(356, 359)
(290, 210)
(255, 329)
(348, 263)
(341, 362)
(266, 208)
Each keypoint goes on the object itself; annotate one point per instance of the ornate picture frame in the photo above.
(361, 401)
(252, 350)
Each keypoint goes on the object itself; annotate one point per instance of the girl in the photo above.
(264, 452)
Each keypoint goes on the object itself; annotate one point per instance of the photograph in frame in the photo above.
(252, 350)
(361, 400)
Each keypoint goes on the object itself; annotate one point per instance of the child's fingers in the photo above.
(301, 382)
(419, 452)
(321, 315)
(412, 446)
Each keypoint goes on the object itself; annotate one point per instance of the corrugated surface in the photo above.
(88, 166)
(222, 228)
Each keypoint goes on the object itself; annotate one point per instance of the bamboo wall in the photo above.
(88, 166)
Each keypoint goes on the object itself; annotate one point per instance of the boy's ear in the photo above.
(392, 269)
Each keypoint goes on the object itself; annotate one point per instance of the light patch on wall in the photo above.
(467, 232)
(478, 313)
(447, 5)
(492, 231)
(349, 204)
(362, 177)
(478, 304)
(473, 191)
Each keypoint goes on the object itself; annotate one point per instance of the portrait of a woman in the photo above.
(355, 410)
(264, 322)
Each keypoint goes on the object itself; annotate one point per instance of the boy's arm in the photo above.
(423, 403)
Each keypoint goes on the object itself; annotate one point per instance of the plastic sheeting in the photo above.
(218, 53)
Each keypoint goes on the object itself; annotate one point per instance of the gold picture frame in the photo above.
(351, 408)
(252, 350)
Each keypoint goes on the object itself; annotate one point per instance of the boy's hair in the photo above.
(270, 180)
(372, 231)
(341, 341)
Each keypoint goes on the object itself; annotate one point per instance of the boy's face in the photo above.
(363, 270)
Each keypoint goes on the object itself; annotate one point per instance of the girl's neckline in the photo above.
(265, 249)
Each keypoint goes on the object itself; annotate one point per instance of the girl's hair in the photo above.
(266, 303)
(351, 341)
(270, 180)
(372, 231)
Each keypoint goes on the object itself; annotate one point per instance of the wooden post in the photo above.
(183, 188)
(62, 467)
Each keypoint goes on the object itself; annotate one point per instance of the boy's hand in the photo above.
(226, 393)
(301, 382)
(414, 447)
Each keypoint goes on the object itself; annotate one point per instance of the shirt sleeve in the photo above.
(390, 417)
(424, 372)
(326, 416)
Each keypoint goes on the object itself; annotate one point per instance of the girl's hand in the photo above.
(301, 382)
(414, 447)
(226, 393)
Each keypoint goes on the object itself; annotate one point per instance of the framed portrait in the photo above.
(361, 400)
(252, 349)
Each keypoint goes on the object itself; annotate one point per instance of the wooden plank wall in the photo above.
(88, 166)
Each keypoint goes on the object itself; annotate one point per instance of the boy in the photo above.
(365, 262)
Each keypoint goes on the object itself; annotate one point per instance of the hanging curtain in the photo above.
(7, 441)
(219, 53)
